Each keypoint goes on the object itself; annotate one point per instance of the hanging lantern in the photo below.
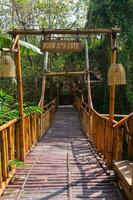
(7, 66)
(116, 75)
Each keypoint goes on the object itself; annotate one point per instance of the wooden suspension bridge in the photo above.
(70, 152)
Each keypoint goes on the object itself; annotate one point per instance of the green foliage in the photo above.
(32, 109)
(40, 14)
(9, 108)
(4, 41)
(7, 111)
(15, 164)
(25, 47)
(21, 2)
(112, 13)
(5, 99)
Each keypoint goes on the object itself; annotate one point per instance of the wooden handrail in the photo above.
(49, 104)
(100, 115)
(11, 122)
(83, 102)
(48, 110)
(35, 126)
(4, 126)
(115, 115)
(122, 121)
(107, 140)
(107, 137)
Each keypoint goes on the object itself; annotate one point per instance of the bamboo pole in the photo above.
(131, 198)
(4, 156)
(26, 129)
(17, 140)
(0, 166)
(112, 87)
(20, 101)
(63, 31)
(29, 133)
(7, 150)
(11, 142)
(32, 129)
(35, 126)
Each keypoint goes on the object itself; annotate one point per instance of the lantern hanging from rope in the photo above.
(7, 66)
(116, 75)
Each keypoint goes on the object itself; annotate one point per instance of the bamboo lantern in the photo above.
(7, 66)
(116, 75)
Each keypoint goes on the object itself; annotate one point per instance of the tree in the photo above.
(42, 14)
(38, 14)
(111, 13)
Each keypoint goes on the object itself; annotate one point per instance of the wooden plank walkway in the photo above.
(64, 166)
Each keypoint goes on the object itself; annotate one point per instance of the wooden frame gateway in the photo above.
(16, 48)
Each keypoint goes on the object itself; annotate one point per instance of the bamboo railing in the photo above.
(35, 126)
(108, 138)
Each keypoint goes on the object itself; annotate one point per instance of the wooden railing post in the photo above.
(4, 155)
(38, 126)
(17, 140)
(11, 143)
(32, 129)
(10, 140)
(35, 127)
(112, 87)
(118, 144)
(26, 130)
(131, 198)
(103, 134)
(20, 101)
(0, 163)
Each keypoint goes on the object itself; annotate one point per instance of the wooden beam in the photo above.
(122, 121)
(63, 31)
(66, 73)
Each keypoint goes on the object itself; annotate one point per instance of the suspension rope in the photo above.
(88, 74)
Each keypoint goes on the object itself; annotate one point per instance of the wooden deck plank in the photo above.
(123, 170)
(63, 166)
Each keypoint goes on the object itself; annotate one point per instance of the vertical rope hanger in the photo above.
(88, 74)
(45, 67)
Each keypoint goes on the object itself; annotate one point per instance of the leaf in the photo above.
(25, 47)
(29, 48)
(32, 109)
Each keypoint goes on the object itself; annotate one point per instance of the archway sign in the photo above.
(75, 46)
(61, 46)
